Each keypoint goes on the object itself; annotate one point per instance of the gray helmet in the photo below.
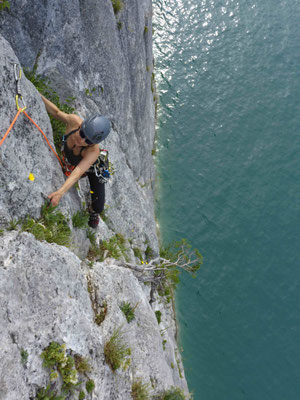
(96, 128)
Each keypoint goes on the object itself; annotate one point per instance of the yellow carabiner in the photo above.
(17, 103)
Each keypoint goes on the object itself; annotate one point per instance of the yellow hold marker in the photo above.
(31, 177)
(91, 192)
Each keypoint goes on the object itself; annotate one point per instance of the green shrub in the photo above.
(158, 316)
(114, 247)
(65, 368)
(175, 258)
(103, 214)
(90, 386)
(13, 225)
(80, 219)
(116, 351)
(91, 235)
(82, 365)
(128, 310)
(94, 250)
(117, 5)
(48, 394)
(81, 395)
(24, 356)
(55, 356)
(111, 248)
(100, 316)
(173, 394)
(4, 4)
(52, 226)
(137, 253)
(140, 390)
(149, 253)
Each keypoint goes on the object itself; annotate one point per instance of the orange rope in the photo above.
(45, 138)
(11, 125)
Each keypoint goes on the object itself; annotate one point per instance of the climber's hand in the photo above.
(55, 198)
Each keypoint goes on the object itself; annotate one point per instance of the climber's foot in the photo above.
(94, 220)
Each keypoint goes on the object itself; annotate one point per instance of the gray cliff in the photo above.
(50, 293)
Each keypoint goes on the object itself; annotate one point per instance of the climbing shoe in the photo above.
(94, 220)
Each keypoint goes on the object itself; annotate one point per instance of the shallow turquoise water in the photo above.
(228, 162)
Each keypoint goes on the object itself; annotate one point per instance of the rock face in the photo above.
(47, 293)
(108, 70)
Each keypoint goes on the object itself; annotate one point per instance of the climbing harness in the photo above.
(101, 167)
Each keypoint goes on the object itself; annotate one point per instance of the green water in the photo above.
(228, 180)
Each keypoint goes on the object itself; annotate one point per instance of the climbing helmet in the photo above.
(96, 128)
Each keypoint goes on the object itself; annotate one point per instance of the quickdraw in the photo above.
(18, 76)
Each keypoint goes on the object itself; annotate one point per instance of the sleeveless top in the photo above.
(72, 158)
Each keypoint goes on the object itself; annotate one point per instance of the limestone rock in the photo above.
(47, 294)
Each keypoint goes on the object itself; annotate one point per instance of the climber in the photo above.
(82, 150)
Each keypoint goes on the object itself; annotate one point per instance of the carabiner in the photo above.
(17, 103)
(18, 76)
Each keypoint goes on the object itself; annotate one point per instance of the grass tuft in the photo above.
(172, 394)
(158, 316)
(81, 395)
(4, 4)
(90, 386)
(52, 226)
(80, 219)
(117, 5)
(82, 365)
(140, 390)
(24, 356)
(114, 247)
(13, 225)
(116, 351)
(128, 310)
(138, 253)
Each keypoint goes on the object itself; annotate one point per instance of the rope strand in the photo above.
(12, 124)
(45, 138)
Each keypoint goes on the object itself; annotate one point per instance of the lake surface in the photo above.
(228, 76)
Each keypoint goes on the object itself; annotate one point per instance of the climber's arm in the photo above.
(90, 156)
(53, 110)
